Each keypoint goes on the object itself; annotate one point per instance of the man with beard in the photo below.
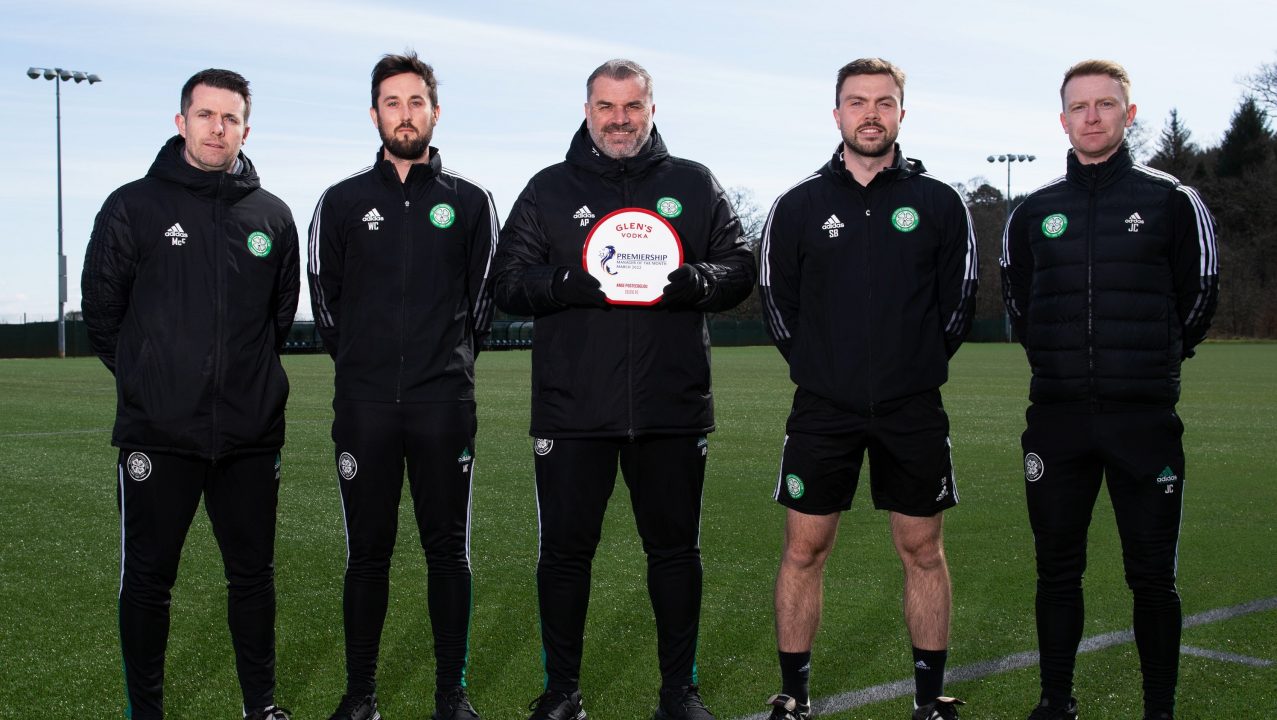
(190, 287)
(399, 257)
(868, 283)
(627, 383)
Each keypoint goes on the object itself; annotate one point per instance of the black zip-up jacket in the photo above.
(1110, 277)
(622, 371)
(399, 281)
(868, 291)
(189, 290)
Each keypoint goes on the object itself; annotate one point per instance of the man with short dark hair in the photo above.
(190, 287)
(399, 256)
(621, 375)
(1110, 277)
(868, 282)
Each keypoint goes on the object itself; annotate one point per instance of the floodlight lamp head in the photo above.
(33, 73)
(992, 159)
(94, 79)
(64, 75)
(49, 74)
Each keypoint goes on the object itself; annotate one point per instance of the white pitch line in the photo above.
(53, 433)
(1225, 656)
(1017, 661)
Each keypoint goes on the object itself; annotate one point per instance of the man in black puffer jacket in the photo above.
(190, 287)
(1110, 277)
(620, 381)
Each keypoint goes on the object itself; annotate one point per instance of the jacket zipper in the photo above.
(223, 241)
(403, 293)
(629, 330)
(1090, 293)
(869, 296)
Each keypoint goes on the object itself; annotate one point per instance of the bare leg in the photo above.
(920, 544)
(800, 580)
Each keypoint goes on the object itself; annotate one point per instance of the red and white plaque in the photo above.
(632, 252)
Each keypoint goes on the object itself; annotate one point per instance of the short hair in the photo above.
(869, 66)
(1099, 67)
(619, 69)
(221, 79)
(390, 65)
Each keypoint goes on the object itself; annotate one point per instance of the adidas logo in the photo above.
(832, 223)
(177, 234)
(922, 665)
(584, 212)
(1134, 221)
(373, 218)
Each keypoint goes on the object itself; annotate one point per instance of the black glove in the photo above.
(575, 287)
(687, 287)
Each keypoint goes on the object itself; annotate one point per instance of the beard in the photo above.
(410, 148)
(627, 150)
(875, 149)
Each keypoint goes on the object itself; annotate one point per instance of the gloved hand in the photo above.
(687, 287)
(575, 287)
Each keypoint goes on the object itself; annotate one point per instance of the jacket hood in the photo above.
(171, 166)
(585, 154)
(900, 168)
(1100, 174)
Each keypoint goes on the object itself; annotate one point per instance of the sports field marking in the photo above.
(1017, 661)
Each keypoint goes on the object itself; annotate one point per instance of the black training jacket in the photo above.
(189, 290)
(1110, 277)
(399, 281)
(622, 371)
(868, 291)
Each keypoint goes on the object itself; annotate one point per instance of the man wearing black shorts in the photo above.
(190, 287)
(868, 280)
(399, 258)
(1110, 278)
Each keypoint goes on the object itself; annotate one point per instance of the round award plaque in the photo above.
(632, 251)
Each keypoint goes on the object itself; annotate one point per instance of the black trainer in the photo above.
(1046, 710)
(682, 703)
(942, 708)
(356, 707)
(454, 705)
(555, 705)
(785, 707)
(270, 712)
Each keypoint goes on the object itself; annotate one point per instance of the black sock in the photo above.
(795, 669)
(928, 674)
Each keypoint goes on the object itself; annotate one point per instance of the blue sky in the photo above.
(744, 87)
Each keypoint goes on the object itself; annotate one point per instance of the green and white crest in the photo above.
(905, 219)
(442, 215)
(794, 486)
(669, 207)
(259, 243)
(1054, 225)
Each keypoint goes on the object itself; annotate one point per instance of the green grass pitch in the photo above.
(59, 555)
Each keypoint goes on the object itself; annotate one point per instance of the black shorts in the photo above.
(910, 458)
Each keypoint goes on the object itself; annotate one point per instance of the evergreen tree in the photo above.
(1248, 142)
(1176, 153)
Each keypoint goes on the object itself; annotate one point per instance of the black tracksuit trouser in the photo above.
(1139, 453)
(574, 481)
(159, 495)
(374, 442)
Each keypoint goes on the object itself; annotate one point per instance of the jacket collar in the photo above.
(901, 167)
(171, 165)
(584, 154)
(419, 174)
(1101, 174)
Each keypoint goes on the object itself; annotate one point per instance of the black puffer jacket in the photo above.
(1110, 277)
(625, 370)
(189, 290)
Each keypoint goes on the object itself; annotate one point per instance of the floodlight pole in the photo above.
(58, 76)
(1010, 158)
